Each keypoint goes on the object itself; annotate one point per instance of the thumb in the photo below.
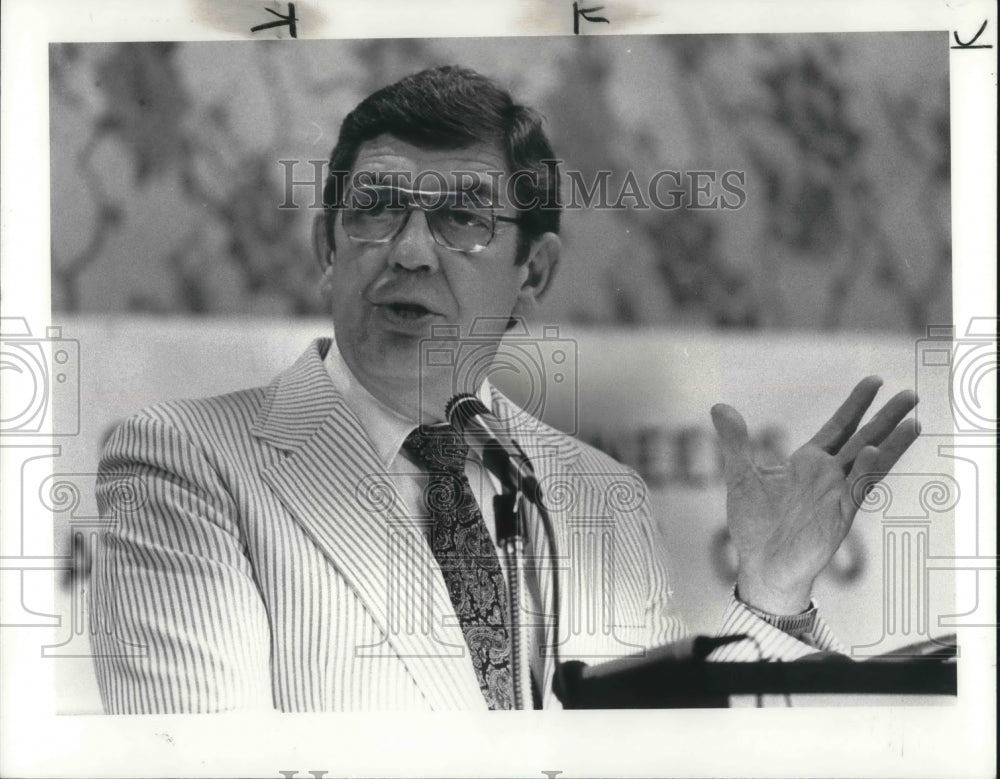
(733, 437)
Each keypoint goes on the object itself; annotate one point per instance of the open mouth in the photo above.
(408, 310)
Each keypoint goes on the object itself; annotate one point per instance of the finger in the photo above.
(845, 420)
(874, 462)
(863, 476)
(733, 438)
(879, 428)
(899, 440)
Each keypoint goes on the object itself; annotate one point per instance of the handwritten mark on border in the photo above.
(283, 21)
(971, 44)
(584, 12)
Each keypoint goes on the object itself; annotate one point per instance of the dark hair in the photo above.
(453, 108)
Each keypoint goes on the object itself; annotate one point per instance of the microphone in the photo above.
(501, 455)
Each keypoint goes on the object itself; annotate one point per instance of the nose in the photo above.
(414, 248)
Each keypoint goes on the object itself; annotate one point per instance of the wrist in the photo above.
(759, 596)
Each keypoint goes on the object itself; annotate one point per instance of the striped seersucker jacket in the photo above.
(256, 556)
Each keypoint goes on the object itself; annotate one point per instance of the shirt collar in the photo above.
(386, 428)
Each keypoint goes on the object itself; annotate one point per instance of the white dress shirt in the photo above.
(388, 430)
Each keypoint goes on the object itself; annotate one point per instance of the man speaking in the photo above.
(328, 542)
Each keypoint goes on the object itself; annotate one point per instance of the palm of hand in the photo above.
(787, 521)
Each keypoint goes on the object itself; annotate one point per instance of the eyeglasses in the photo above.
(460, 221)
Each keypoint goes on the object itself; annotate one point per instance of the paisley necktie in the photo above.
(468, 559)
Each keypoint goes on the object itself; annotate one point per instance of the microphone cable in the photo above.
(460, 412)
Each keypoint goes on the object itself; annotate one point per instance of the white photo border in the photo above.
(905, 741)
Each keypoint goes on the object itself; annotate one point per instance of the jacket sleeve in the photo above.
(642, 583)
(178, 623)
(766, 642)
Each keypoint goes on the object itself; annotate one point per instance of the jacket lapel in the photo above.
(334, 486)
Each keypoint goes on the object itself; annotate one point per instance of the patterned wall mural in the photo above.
(169, 164)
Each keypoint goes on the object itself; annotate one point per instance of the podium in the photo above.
(660, 680)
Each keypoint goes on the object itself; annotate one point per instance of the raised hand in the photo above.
(787, 521)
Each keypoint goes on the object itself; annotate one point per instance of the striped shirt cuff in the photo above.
(766, 642)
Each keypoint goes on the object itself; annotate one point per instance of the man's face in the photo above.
(386, 297)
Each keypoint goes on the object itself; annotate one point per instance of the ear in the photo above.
(322, 252)
(538, 272)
